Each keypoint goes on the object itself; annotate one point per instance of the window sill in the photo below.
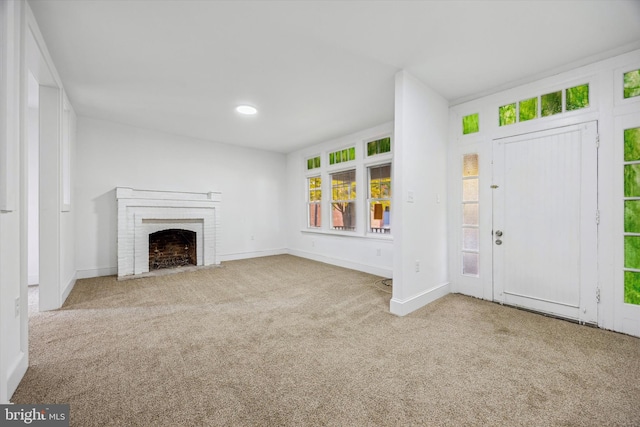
(351, 234)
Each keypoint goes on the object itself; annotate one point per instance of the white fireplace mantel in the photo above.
(142, 212)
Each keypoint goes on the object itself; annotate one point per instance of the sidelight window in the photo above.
(470, 215)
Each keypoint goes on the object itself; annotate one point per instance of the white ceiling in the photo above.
(316, 70)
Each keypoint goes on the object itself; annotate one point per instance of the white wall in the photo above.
(612, 114)
(33, 185)
(357, 249)
(13, 351)
(420, 260)
(111, 155)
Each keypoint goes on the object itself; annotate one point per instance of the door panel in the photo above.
(545, 206)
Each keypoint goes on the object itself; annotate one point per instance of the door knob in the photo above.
(498, 233)
(498, 242)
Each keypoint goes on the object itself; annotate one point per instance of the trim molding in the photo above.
(16, 372)
(255, 254)
(96, 272)
(378, 271)
(68, 288)
(406, 306)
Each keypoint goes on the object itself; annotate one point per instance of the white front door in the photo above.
(545, 221)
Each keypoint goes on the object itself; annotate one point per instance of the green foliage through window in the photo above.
(632, 84)
(470, 124)
(632, 216)
(507, 114)
(632, 287)
(632, 180)
(577, 97)
(551, 103)
(342, 156)
(631, 144)
(313, 163)
(528, 109)
(379, 146)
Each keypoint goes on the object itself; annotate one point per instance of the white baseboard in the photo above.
(255, 254)
(68, 288)
(378, 271)
(406, 306)
(16, 372)
(97, 272)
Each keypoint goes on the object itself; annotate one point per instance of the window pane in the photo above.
(470, 190)
(470, 264)
(632, 180)
(470, 239)
(507, 114)
(315, 215)
(632, 216)
(470, 124)
(577, 97)
(310, 164)
(631, 144)
(551, 103)
(632, 252)
(380, 182)
(332, 158)
(470, 214)
(470, 165)
(528, 109)
(316, 162)
(632, 84)
(352, 153)
(631, 287)
(380, 216)
(343, 185)
(343, 216)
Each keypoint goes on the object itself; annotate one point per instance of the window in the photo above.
(507, 114)
(342, 156)
(551, 103)
(380, 199)
(313, 163)
(528, 109)
(314, 202)
(470, 124)
(470, 215)
(576, 97)
(632, 216)
(632, 84)
(379, 146)
(343, 196)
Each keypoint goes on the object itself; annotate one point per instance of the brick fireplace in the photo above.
(144, 213)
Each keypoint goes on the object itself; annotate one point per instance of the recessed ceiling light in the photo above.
(246, 109)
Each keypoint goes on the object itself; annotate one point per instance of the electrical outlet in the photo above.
(253, 237)
(378, 252)
(417, 266)
(410, 196)
(18, 307)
